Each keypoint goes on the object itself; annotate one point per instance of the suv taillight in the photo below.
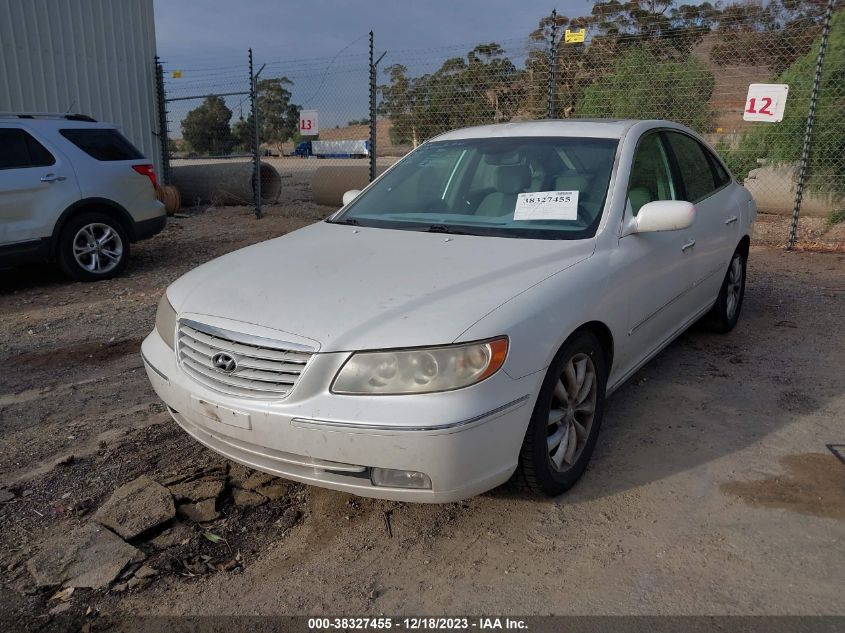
(148, 171)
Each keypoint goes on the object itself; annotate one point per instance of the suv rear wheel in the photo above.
(93, 246)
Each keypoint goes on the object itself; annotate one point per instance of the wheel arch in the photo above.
(104, 205)
(602, 332)
(744, 245)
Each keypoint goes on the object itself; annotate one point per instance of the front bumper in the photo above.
(466, 441)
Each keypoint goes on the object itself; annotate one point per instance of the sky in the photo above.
(322, 45)
(194, 31)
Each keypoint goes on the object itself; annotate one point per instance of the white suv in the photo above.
(75, 191)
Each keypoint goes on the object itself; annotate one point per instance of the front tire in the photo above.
(93, 246)
(567, 416)
(724, 314)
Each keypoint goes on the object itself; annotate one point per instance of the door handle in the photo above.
(52, 178)
(731, 220)
(688, 246)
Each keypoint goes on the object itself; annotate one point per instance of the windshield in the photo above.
(546, 188)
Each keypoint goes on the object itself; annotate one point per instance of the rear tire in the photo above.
(724, 314)
(93, 246)
(565, 423)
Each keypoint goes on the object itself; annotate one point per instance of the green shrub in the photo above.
(643, 85)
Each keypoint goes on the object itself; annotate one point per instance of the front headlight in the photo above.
(166, 320)
(421, 370)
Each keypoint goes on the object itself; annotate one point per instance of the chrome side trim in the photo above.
(674, 299)
(354, 426)
(248, 339)
(154, 368)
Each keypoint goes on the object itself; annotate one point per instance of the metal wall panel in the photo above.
(89, 56)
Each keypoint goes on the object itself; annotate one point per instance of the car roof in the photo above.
(53, 120)
(587, 128)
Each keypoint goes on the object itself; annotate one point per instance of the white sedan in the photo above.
(462, 320)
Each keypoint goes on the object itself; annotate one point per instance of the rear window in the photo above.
(19, 150)
(102, 144)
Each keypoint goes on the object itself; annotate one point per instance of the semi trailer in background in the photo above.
(333, 149)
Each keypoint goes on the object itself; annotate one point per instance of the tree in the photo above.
(206, 127)
(782, 143)
(479, 89)
(773, 35)
(243, 133)
(278, 117)
(644, 85)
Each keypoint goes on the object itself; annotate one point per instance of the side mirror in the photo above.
(350, 195)
(662, 215)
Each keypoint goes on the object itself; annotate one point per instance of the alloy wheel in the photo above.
(97, 248)
(734, 286)
(572, 411)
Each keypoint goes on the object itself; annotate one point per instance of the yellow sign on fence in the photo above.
(574, 37)
(176, 74)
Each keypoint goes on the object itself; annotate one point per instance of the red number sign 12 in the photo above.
(767, 102)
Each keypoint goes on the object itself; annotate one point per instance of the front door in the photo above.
(658, 267)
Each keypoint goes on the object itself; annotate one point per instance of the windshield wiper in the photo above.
(442, 228)
(351, 221)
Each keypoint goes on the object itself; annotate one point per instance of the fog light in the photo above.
(399, 478)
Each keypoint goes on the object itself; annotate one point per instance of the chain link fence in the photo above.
(691, 64)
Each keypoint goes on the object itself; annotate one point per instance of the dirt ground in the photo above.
(715, 487)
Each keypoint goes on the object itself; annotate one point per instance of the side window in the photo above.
(720, 173)
(18, 149)
(651, 178)
(696, 171)
(102, 143)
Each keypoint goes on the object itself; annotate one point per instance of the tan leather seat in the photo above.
(510, 180)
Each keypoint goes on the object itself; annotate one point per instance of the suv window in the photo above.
(651, 178)
(102, 144)
(696, 171)
(18, 149)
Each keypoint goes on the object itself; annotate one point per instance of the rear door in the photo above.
(37, 183)
(706, 184)
(105, 161)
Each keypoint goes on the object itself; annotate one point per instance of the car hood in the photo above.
(351, 288)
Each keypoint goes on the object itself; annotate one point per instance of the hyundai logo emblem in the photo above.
(224, 362)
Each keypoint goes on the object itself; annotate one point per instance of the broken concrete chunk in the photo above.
(138, 583)
(6, 495)
(275, 490)
(60, 608)
(198, 489)
(136, 507)
(238, 472)
(172, 536)
(146, 572)
(199, 512)
(90, 556)
(247, 498)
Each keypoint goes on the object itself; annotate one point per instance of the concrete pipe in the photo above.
(224, 183)
(328, 184)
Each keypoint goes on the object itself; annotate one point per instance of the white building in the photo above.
(92, 57)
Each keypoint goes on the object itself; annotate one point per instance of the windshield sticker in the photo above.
(547, 205)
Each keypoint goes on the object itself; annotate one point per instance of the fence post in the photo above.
(372, 112)
(161, 107)
(256, 152)
(373, 109)
(808, 131)
(550, 103)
